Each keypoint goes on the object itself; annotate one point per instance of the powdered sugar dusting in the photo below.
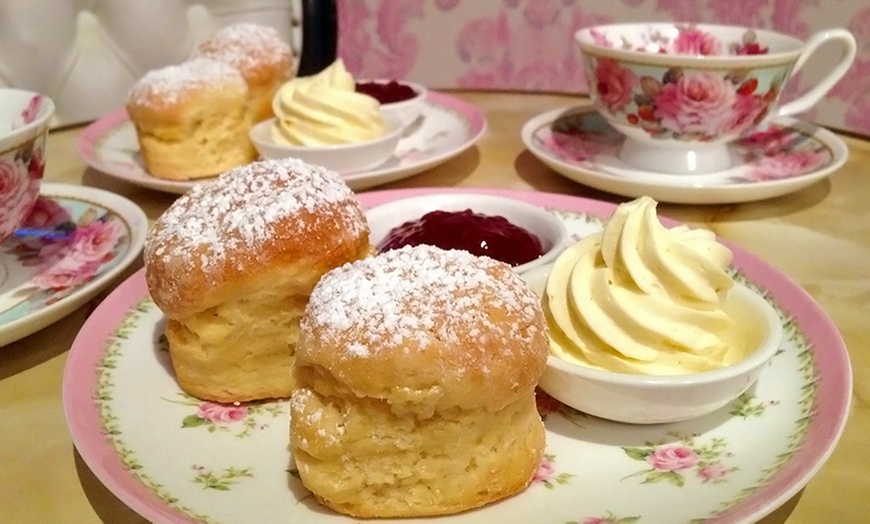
(245, 45)
(170, 84)
(420, 293)
(237, 211)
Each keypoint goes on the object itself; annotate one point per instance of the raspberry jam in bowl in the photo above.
(399, 98)
(520, 234)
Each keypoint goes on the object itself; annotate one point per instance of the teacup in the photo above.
(24, 123)
(681, 92)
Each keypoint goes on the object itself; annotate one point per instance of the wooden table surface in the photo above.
(820, 237)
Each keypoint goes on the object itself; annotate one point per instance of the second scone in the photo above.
(416, 372)
(231, 264)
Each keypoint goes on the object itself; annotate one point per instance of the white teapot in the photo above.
(85, 55)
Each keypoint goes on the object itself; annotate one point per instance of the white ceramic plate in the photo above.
(192, 461)
(447, 127)
(75, 242)
(785, 156)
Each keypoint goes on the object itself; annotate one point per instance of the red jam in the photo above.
(386, 93)
(492, 236)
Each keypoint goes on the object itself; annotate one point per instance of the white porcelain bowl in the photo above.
(406, 111)
(343, 158)
(644, 399)
(24, 121)
(549, 229)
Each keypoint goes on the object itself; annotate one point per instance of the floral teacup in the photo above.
(24, 122)
(681, 92)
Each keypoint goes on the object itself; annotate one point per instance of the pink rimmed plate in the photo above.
(781, 157)
(74, 243)
(446, 127)
(192, 461)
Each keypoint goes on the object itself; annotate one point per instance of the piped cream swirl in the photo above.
(641, 298)
(325, 109)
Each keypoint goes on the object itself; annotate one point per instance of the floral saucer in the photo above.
(447, 126)
(779, 158)
(75, 241)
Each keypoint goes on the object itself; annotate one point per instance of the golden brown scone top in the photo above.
(161, 93)
(219, 238)
(256, 50)
(421, 325)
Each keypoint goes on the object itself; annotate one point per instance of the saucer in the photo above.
(779, 158)
(75, 242)
(446, 127)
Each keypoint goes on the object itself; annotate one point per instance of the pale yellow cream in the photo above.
(641, 298)
(325, 109)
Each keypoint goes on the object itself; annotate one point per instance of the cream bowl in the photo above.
(342, 158)
(644, 399)
(549, 228)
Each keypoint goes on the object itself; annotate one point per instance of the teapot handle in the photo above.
(319, 47)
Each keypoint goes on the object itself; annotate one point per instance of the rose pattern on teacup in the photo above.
(690, 40)
(685, 104)
(682, 93)
(21, 171)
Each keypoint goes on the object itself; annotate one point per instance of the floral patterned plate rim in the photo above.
(191, 461)
(447, 128)
(74, 243)
(784, 156)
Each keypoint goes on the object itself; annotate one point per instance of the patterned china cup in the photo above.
(24, 123)
(681, 92)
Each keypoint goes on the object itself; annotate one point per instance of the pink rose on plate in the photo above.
(770, 141)
(712, 472)
(696, 42)
(88, 243)
(545, 471)
(673, 458)
(613, 84)
(785, 165)
(575, 148)
(95, 241)
(46, 213)
(697, 104)
(66, 273)
(220, 413)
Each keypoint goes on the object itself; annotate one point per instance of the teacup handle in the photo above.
(811, 97)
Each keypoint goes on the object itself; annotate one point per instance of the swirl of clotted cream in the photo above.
(325, 109)
(641, 298)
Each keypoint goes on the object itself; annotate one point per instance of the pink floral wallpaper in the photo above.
(529, 45)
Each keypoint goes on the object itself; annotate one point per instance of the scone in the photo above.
(416, 372)
(191, 119)
(231, 264)
(259, 53)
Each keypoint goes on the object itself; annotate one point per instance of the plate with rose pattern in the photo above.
(194, 461)
(447, 127)
(781, 157)
(74, 242)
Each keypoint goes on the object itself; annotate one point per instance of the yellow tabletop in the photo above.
(820, 237)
